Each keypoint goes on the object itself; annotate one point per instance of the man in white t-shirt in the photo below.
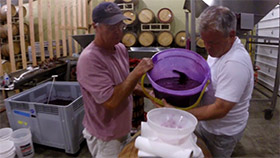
(224, 114)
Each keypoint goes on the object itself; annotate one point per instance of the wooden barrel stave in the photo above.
(26, 29)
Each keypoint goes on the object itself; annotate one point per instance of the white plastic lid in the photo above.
(5, 133)
(20, 135)
(171, 121)
(6, 146)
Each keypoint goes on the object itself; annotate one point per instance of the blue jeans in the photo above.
(220, 146)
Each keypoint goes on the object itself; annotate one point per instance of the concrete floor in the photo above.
(261, 137)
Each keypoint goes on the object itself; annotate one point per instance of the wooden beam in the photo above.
(10, 36)
(80, 18)
(85, 13)
(75, 24)
(80, 13)
(90, 13)
(57, 43)
(50, 46)
(41, 30)
(69, 22)
(63, 25)
(1, 67)
(21, 33)
(32, 36)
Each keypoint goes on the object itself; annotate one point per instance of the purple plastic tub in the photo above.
(186, 61)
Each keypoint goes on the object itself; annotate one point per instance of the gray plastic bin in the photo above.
(58, 126)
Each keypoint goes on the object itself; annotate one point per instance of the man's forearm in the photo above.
(122, 91)
(218, 109)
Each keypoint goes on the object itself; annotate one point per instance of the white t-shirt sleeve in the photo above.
(231, 81)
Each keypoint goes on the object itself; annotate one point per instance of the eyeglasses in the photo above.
(120, 26)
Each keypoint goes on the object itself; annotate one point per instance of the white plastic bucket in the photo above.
(23, 143)
(5, 133)
(7, 149)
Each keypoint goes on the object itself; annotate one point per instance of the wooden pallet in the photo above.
(155, 27)
(126, 6)
(17, 38)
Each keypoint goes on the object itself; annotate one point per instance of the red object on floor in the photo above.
(133, 62)
(256, 69)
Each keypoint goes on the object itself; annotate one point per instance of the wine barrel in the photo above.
(180, 39)
(165, 38)
(129, 39)
(199, 42)
(25, 28)
(7, 67)
(109, 0)
(132, 16)
(135, 2)
(5, 49)
(17, 11)
(4, 10)
(114, 1)
(4, 30)
(146, 38)
(146, 16)
(165, 15)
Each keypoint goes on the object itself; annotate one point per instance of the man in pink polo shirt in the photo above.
(106, 84)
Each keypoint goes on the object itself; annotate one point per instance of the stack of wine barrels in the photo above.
(15, 29)
(134, 35)
(146, 38)
(163, 38)
(129, 38)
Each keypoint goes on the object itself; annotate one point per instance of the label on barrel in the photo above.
(26, 149)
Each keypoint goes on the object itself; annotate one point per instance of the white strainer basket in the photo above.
(171, 121)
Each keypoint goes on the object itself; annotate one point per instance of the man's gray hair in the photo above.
(217, 18)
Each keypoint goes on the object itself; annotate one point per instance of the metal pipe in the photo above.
(193, 32)
(187, 29)
(276, 82)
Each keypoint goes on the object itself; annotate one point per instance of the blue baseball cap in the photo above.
(108, 13)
